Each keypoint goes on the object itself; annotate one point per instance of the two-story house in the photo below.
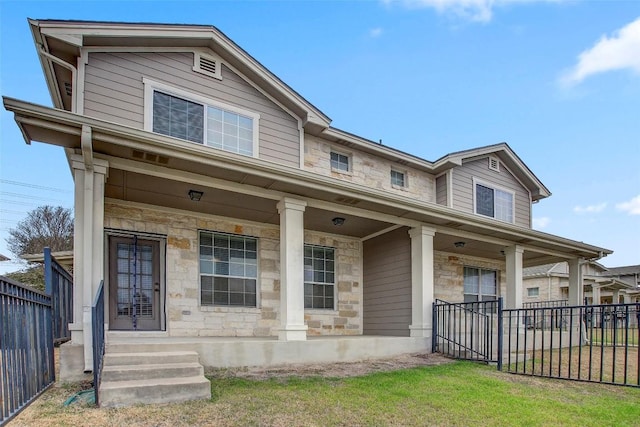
(225, 214)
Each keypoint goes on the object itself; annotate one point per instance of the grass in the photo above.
(456, 394)
(618, 365)
(620, 337)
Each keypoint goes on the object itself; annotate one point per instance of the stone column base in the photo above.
(293, 333)
(72, 363)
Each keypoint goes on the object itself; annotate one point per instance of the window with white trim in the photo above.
(319, 277)
(228, 269)
(179, 114)
(480, 284)
(340, 162)
(533, 292)
(398, 178)
(493, 202)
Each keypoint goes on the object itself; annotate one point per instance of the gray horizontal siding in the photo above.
(441, 190)
(114, 91)
(387, 284)
(479, 169)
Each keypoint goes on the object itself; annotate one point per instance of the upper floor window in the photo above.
(494, 202)
(319, 277)
(533, 292)
(398, 178)
(340, 162)
(176, 113)
(228, 269)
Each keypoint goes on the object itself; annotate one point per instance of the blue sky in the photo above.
(558, 80)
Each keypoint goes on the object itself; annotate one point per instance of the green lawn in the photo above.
(460, 393)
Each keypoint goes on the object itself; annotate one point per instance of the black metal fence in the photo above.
(59, 284)
(26, 347)
(546, 304)
(597, 343)
(97, 324)
(468, 330)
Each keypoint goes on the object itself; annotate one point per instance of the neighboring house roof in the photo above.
(63, 38)
(4, 258)
(538, 270)
(562, 269)
(623, 271)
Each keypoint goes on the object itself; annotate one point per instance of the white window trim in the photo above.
(151, 85)
(196, 65)
(537, 293)
(477, 181)
(230, 308)
(406, 179)
(343, 153)
(335, 283)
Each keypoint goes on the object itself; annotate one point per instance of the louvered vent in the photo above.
(207, 65)
(494, 164)
(347, 200)
(149, 157)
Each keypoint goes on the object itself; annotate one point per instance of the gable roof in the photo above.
(59, 42)
(65, 37)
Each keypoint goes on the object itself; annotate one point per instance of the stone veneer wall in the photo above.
(557, 293)
(449, 274)
(185, 316)
(367, 170)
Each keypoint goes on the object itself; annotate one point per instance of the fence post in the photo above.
(434, 327)
(500, 333)
(48, 273)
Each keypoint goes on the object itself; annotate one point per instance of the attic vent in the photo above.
(207, 65)
(347, 201)
(494, 164)
(67, 88)
(149, 157)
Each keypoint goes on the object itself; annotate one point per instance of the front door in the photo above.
(134, 284)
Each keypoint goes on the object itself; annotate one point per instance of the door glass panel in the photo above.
(135, 280)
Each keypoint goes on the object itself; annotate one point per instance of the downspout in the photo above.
(74, 73)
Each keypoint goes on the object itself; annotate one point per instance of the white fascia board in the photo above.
(139, 139)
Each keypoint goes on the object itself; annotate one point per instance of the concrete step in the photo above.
(150, 358)
(151, 371)
(157, 390)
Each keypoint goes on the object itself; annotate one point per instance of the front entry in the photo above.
(134, 284)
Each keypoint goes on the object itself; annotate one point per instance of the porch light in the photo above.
(459, 244)
(338, 221)
(195, 195)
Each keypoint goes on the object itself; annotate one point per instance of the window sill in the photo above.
(400, 187)
(230, 309)
(342, 172)
(325, 311)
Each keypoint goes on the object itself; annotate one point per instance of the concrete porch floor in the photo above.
(234, 352)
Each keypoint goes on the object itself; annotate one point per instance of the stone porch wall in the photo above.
(449, 274)
(367, 169)
(185, 315)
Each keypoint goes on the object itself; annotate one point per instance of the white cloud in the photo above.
(619, 52)
(474, 10)
(541, 222)
(590, 209)
(632, 207)
(375, 32)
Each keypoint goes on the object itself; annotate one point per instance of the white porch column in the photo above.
(422, 281)
(88, 249)
(576, 287)
(626, 298)
(596, 295)
(292, 270)
(513, 255)
(615, 298)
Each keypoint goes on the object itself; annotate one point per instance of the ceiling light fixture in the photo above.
(338, 221)
(195, 195)
(459, 244)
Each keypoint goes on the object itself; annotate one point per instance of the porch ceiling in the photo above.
(141, 188)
